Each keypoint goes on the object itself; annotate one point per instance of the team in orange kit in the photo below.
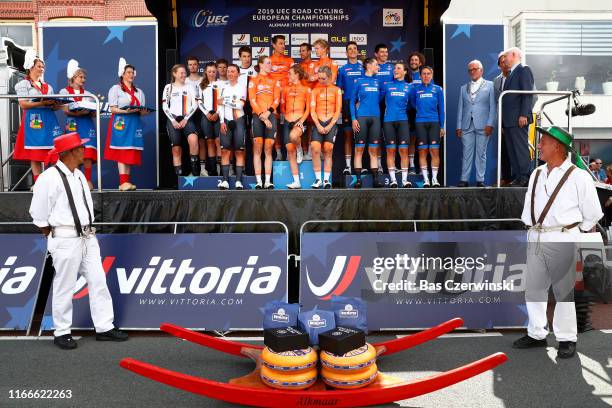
(295, 107)
(325, 108)
(321, 48)
(264, 96)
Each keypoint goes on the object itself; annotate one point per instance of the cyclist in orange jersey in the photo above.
(325, 108)
(295, 107)
(321, 48)
(308, 65)
(280, 71)
(264, 96)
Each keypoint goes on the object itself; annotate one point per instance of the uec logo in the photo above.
(208, 19)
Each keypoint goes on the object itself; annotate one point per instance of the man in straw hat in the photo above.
(63, 209)
(560, 205)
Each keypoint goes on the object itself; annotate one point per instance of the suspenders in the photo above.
(550, 200)
(75, 215)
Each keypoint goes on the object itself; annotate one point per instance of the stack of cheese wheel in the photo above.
(289, 370)
(355, 369)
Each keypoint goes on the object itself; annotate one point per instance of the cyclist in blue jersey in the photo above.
(415, 61)
(365, 116)
(395, 125)
(346, 80)
(428, 100)
(384, 75)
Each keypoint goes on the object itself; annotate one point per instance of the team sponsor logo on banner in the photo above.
(206, 18)
(338, 39)
(261, 39)
(241, 39)
(295, 52)
(315, 37)
(235, 55)
(360, 39)
(259, 51)
(297, 39)
(337, 52)
(341, 62)
(393, 17)
(287, 37)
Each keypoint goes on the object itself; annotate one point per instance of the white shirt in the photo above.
(25, 88)
(117, 97)
(231, 101)
(50, 206)
(193, 82)
(179, 101)
(475, 86)
(577, 200)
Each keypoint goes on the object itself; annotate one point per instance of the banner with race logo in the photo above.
(22, 258)
(418, 279)
(203, 281)
(211, 30)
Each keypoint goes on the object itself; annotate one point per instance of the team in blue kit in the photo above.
(396, 129)
(427, 99)
(347, 74)
(365, 116)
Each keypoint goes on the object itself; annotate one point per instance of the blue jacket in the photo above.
(416, 77)
(515, 105)
(396, 94)
(482, 110)
(385, 73)
(428, 101)
(347, 74)
(368, 93)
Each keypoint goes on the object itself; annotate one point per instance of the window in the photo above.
(21, 34)
(559, 51)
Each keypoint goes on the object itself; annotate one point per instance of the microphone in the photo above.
(580, 109)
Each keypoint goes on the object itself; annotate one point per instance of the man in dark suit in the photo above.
(517, 115)
(498, 85)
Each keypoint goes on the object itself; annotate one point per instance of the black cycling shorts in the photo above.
(369, 131)
(397, 134)
(176, 135)
(260, 129)
(329, 137)
(234, 138)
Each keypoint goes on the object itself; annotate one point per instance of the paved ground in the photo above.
(532, 378)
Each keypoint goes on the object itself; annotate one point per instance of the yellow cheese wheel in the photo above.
(291, 361)
(349, 379)
(357, 359)
(288, 381)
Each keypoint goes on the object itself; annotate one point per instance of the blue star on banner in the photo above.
(20, 316)
(184, 239)
(493, 69)
(189, 181)
(115, 32)
(279, 170)
(40, 245)
(54, 65)
(363, 13)
(252, 186)
(397, 45)
(462, 29)
(47, 323)
(280, 244)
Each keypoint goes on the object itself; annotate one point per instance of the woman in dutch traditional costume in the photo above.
(124, 138)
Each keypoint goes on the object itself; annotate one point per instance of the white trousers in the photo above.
(71, 257)
(551, 262)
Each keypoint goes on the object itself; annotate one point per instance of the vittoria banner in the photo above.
(211, 281)
(21, 263)
(211, 30)
(415, 280)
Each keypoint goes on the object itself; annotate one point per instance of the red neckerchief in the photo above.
(43, 90)
(132, 92)
(71, 92)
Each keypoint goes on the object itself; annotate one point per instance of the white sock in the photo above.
(326, 176)
(434, 173)
(404, 175)
(347, 159)
(392, 175)
(411, 158)
(296, 178)
(379, 163)
(299, 149)
(425, 173)
(267, 178)
(258, 177)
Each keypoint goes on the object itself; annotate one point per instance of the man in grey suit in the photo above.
(498, 85)
(517, 115)
(475, 121)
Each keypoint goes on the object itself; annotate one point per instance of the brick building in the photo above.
(17, 16)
